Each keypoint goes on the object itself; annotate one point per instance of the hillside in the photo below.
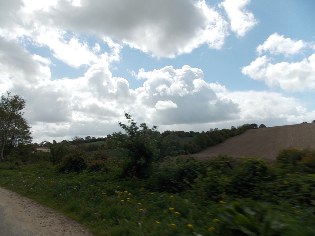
(265, 142)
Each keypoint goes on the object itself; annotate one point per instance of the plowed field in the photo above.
(264, 142)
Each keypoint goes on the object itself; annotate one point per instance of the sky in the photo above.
(178, 64)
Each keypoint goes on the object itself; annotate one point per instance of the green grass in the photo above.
(108, 205)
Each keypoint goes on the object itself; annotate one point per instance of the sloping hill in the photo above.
(265, 142)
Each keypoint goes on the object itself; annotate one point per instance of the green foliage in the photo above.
(290, 157)
(23, 152)
(175, 174)
(97, 165)
(296, 160)
(171, 145)
(58, 151)
(212, 186)
(73, 162)
(248, 176)
(250, 219)
(297, 189)
(109, 205)
(14, 130)
(141, 145)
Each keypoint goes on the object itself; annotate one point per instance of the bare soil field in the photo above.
(264, 142)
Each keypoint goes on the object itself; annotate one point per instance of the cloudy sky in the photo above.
(177, 64)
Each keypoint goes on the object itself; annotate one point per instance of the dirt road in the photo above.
(20, 216)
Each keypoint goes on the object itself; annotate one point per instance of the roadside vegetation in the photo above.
(139, 182)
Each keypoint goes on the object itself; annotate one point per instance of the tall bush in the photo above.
(141, 144)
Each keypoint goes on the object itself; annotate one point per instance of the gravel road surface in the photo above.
(20, 216)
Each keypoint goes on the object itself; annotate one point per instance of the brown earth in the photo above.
(264, 142)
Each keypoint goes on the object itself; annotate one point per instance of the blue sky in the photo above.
(180, 64)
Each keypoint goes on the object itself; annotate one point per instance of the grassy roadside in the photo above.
(108, 205)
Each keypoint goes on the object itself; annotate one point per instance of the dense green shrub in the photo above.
(215, 183)
(248, 176)
(175, 174)
(73, 162)
(241, 219)
(58, 151)
(213, 186)
(308, 161)
(224, 164)
(290, 157)
(296, 160)
(140, 143)
(296, 188)
(97, 166)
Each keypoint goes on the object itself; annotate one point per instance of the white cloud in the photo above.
(72, 52)
(278, 44)
(19, 67)
(256, 105)
(241, 20)
(188, 97)
(7, 12)
(292, 75)
(93, 103)
(164, 105)
(162, 28)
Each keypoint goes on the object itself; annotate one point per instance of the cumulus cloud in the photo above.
(291, 75)
(278, 44)
(93, 33)
(8, 11)
(255, 105)
(241, 20)
(182, 96)
(161, 28)
(72, 52)
(164, 105)
(20, 68)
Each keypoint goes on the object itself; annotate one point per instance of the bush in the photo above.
(290, 157)
(296, 160)
(140, 142)
(175, 174)
(97, 166)
(58, 151)
(213, 186)
(250, 219)
(73, 162)
(308, 161)
(297, 189)
(248, 176)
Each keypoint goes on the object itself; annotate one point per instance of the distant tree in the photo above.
(58, 151)
(14, 130)
(262, 126)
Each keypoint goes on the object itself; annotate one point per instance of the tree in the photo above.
(141, 143)
(14, 130)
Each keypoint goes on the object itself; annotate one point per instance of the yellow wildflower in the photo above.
(189, 226)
